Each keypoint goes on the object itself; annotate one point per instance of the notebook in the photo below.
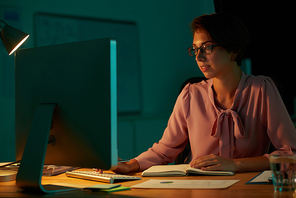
(179, 170)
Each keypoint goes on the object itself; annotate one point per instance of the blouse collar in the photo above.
(227, 125)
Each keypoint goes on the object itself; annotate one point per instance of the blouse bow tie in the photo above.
(227, 125)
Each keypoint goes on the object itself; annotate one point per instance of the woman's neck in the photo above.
(225, 87)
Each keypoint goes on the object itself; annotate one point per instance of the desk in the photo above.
(240, 189)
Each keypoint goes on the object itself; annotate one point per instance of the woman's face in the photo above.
(216, 64)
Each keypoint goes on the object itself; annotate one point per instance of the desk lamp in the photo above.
(11, 37)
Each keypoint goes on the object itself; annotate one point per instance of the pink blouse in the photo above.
(257, 116)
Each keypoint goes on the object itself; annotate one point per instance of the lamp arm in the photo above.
(2, 24)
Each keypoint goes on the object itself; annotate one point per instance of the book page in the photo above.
(202, 172)
(160, 170)
(179, 170)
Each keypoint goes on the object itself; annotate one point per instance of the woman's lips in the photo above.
(204, 68)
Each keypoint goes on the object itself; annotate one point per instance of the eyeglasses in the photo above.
(204, 49)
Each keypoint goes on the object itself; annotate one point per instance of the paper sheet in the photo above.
(186, 184)
(103, 186)
(261, 178)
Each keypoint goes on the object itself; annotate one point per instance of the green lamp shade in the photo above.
(12, 38)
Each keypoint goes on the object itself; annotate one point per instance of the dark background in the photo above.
(272, 44)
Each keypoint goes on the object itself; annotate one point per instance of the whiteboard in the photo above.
(52, 29)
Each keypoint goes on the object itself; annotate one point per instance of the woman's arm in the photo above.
(252, 164)
(211, 162)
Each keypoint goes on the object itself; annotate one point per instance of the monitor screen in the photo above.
(80, 80)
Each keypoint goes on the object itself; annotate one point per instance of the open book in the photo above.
(179, 170)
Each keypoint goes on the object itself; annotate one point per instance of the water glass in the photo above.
(283, 169)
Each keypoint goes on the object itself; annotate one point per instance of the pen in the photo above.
(123, 160)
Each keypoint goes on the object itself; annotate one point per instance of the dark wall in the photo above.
(272, 43)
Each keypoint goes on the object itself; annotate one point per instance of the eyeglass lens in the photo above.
(205, 49)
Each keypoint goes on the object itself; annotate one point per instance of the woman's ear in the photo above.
(234, 55)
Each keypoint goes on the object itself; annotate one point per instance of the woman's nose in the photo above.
(200, 56)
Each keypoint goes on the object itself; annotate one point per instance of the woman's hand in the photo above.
(126, 167)
(214, 162)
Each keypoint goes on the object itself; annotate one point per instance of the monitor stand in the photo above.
(31, 168)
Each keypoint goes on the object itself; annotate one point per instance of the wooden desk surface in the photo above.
(240, 189)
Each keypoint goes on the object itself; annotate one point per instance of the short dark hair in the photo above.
(226, 30)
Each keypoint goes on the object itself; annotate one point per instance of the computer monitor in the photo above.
(66, 107)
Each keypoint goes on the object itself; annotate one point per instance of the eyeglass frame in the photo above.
(189, 49)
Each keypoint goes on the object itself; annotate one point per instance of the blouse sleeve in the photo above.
(175, 136)
(274, 116)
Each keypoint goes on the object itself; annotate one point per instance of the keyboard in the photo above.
(101, 177)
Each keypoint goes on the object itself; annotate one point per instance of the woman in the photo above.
(231, 118)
